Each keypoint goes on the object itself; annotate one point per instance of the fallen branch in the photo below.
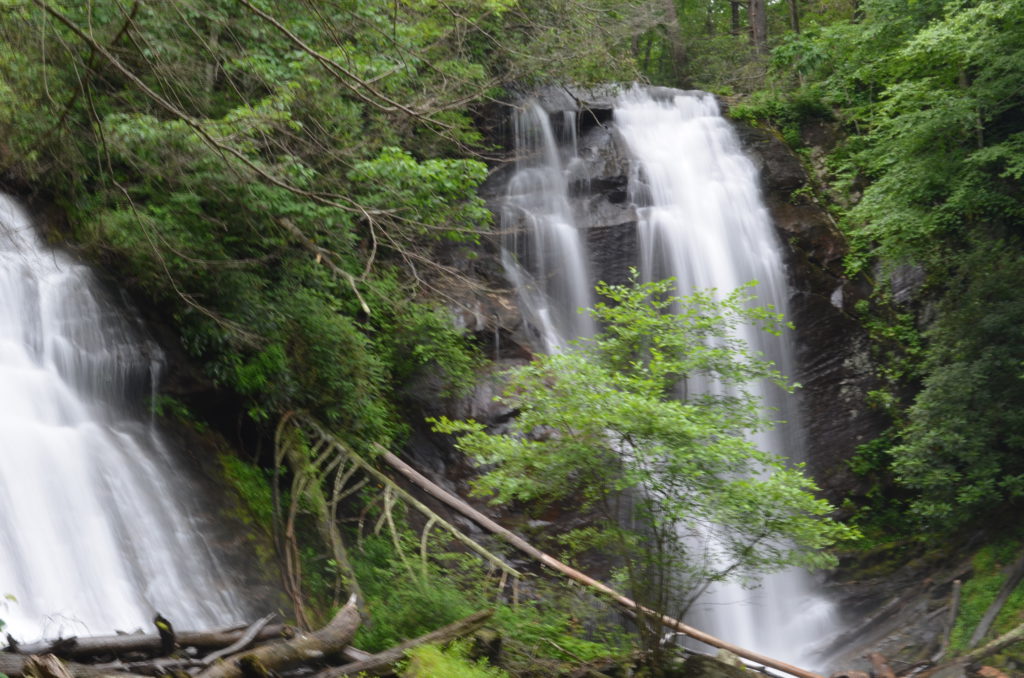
(1013, 578)
(286, 654)
(381, 663)
(1015, 635)
(954, 608)
(245, 641)
(465, 509)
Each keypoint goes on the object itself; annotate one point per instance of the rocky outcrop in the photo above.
(836, 370)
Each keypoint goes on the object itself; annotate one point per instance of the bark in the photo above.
(758, 25)
(794, 16)
(465, 509)
(286, 654)
(880, 666)
(97, 646)
(734, 19)
(45, 666)
(245, 641)
(18, 665)
(381, 663)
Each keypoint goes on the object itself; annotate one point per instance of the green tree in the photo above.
(680, 495)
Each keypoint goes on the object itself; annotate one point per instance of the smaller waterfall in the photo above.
(95, 533)
(544, 253)
(702, 220)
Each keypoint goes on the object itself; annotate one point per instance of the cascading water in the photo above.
(702, 220)
(544, 253)
(95, 534)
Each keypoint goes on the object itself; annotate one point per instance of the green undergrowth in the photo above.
(988, 574)
(433, 661)
(551, 625)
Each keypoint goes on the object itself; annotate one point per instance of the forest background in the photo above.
(293, 181)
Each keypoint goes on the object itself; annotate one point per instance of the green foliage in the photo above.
(981, 589)
(962, 447)
(432, 661)
(785, 113)
(600, 426)
(253, 486)
(402, 606)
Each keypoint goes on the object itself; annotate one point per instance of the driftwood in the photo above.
(1013, 577)
(465, 509)
(98, 646)
(245, 641)
(285, 654)
(382, 663)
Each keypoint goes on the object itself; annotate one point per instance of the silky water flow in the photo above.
(701, 219)
(95, 532)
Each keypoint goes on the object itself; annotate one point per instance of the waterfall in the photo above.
(699, 218)
(95, 530)
(544, 253)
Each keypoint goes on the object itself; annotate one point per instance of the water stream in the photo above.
(701, 219)
(95, 529)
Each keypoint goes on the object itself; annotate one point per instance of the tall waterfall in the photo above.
(701, 219)
(95, 533)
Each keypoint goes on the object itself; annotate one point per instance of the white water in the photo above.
(94, 530)
(702, 221)
(544, 253)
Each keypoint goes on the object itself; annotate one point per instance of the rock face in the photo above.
(835, 365)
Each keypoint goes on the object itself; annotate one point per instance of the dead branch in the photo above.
(245, 641)
(1013, 577)
(543, 558)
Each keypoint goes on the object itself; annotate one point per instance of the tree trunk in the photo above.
(794, 16)
(758, 26)
(734, 21)
(283, 655)
(382, 662)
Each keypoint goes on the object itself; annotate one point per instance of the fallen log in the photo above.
(381, 663)
(515, 540)
(285, 654)
(19, 665)
(94, 646)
